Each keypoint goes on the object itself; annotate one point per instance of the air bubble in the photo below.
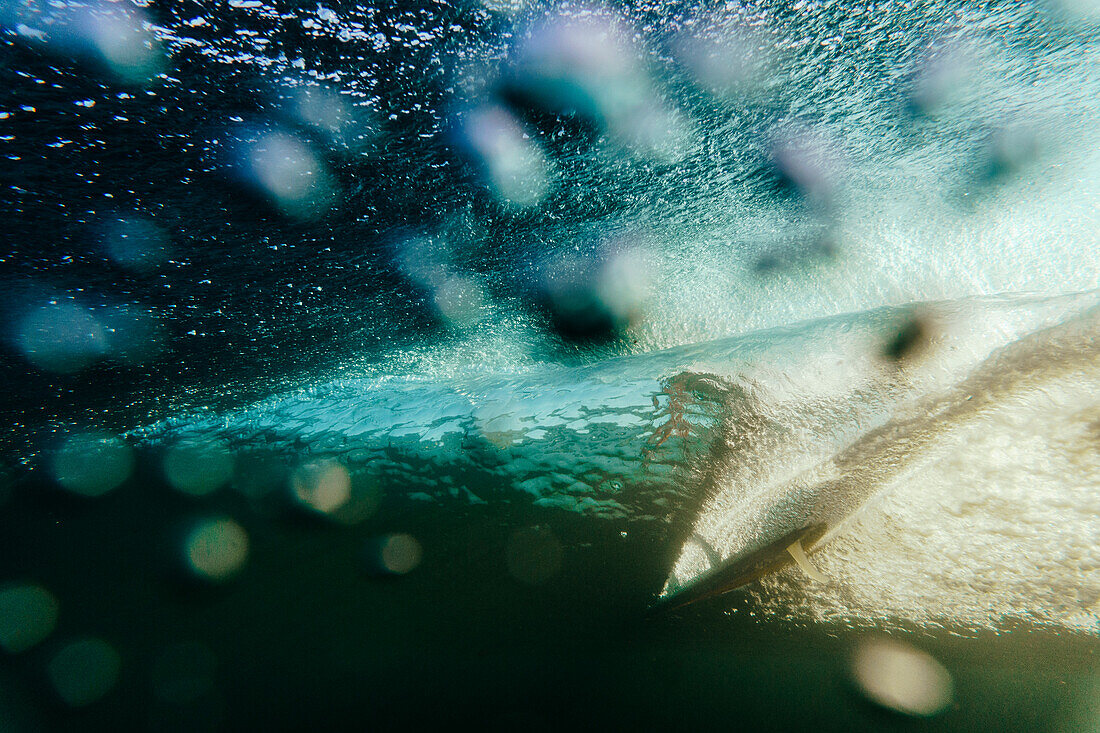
(512, 163)
(117, 37)
(322, 487)
(61, 338)
(901, 678)
(395, 554)
(332, 115)
(215, 549)
(593, 296)
(28, 614)
(286, 170)
(729, 61)
(84, 671)
(92, 464)
(587, 64)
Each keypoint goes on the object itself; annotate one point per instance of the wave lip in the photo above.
(837, 433)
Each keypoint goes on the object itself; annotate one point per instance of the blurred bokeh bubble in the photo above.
(945, 74)
(333, 116)
(728, 58)
(28, 614)
(135, 243)
(215, 549)
(899, 677)
(116, 36)
(588, 63)
(512, 163)
(460, 300)
(660, 132)
(1083, 12)
(809, 162)
(910, 336)
(800, 254)
(61, 337)
(92, 463)
(198, 467)
(392, 554)
(286, 170)
(422, 259)
(84, 670)
(321, 486)
(1005, 151)
(581, 63)
(454, 297)
(593, 295)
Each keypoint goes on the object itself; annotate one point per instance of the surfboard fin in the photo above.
(799, 555)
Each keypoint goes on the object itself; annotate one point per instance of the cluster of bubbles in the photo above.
(214, 548)
(63, 334)
(81, 670)
(583, 66)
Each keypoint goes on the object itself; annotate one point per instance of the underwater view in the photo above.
(524, 363)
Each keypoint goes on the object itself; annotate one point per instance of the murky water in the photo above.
(377, 363)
